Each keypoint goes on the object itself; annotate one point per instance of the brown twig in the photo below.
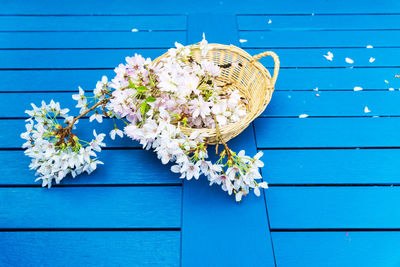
(66, 131)
(104, 101)
(219, 137)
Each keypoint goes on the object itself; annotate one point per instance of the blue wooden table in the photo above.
(334, 176)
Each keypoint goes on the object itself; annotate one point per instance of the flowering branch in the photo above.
(153, 100)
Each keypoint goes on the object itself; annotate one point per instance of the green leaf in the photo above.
(150, 99)
(131, 84)
(142, 89)
(143, 107)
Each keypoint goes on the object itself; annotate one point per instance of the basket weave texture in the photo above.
(249, 76)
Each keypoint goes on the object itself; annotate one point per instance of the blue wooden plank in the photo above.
(10, 138)
(92, 23)
(139, 39)
(105, 248)
(318, 22)
(331, 166)
(349, 38)
(337, 79)
(333, 207)
(212, 222)
(343, 103)
(91, 207)
(313, 58)
(70, 58)
(306, 79)
(109, 58)
(327, 132)
(17, 103)
(181, 6)
(118, 169)
(345, 249)
(51, 80)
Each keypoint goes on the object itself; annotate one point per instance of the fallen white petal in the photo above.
(349, 60)
(370, 46)
(242, 40)
(357, 88)
(391, 89)
(329, 56)
(302, 116)
(269, 21)
(135, 30)
(371, 59)
(315, 89)
(366, 110)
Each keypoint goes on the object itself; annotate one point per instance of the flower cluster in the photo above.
(54, 150)
(154, 100)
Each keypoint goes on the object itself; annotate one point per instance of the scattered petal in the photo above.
(358, 88)
(243, 40)
(349, 60)
(269, 21)
(391, 89)
(370, 46)
(329, 56)
(302, 116)
(316, 89)
(386, 81)
(135, 30)
(366, 110)
(371, 59)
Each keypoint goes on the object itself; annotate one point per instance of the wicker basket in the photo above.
(251, 78)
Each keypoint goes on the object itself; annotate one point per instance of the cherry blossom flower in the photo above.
(52, 157)
(115, 132)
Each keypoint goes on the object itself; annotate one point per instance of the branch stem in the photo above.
(102, 102)
(219, 137)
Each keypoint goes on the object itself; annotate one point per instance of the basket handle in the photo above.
(276, 60)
